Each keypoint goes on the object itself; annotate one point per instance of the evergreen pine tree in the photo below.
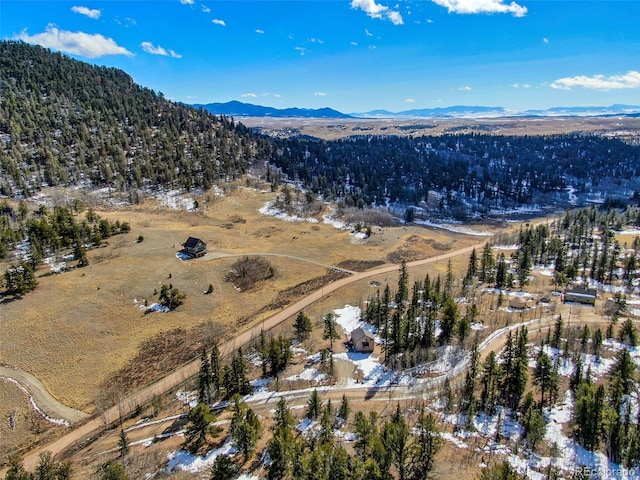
(223, 468)
(314, 405)
(215, 370)
(330, 329)
(448, 321)
(204, 379)
(123, 444)
(344, 409)
(427, 443)
(303, 326)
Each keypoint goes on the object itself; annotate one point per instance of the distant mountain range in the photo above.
(240, 109)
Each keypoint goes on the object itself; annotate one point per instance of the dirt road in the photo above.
(41, 398)
(97, 423)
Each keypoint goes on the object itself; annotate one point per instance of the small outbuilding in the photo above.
(581, 295)
(362, 340)
(521, 302)
(195, 247)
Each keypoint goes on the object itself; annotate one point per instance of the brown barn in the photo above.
(195, 247)
(362, 340)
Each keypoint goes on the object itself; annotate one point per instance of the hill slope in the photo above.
(65, 122)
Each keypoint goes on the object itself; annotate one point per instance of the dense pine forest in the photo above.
(67, 123)
(464, 173)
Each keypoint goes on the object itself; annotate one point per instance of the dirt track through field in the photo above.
(41, 397)
(112, 415)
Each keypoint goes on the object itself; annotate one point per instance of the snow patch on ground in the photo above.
(455, 228)
(309, 374)
(185, 461)
(449, 437)
(372, 371)
(506, 247)
(56, 421)
(154, 307)
(523, 210)
(628, 231)
(270, 210)
(349, 318)
(478, 326)
(188, 397)
(335, 222)
(176, 200)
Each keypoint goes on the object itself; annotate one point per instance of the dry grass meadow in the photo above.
(19, 422)
(330, 129)
(77, 329)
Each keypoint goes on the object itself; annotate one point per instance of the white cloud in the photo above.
(368, 33)
(409, 100)
(545, 40)
(521, 85)
(187, 2)
(354, 44)
(152, 49)
(482, 6)
(205, 9)
(376, 10)
(260, 31)
(126, 22)
(630, 79)
(250, 94)
(302, 50)
(75, 43)
(217, 21)
(320, 94)
(316, 40)
(89, 12)
(395, 18)
(464, 89)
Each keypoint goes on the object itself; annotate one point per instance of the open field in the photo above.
(77, 329)
(330, 129)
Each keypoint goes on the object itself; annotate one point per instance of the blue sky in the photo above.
(353, 55)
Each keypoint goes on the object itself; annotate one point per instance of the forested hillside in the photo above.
(65, 122)
(465, 173)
